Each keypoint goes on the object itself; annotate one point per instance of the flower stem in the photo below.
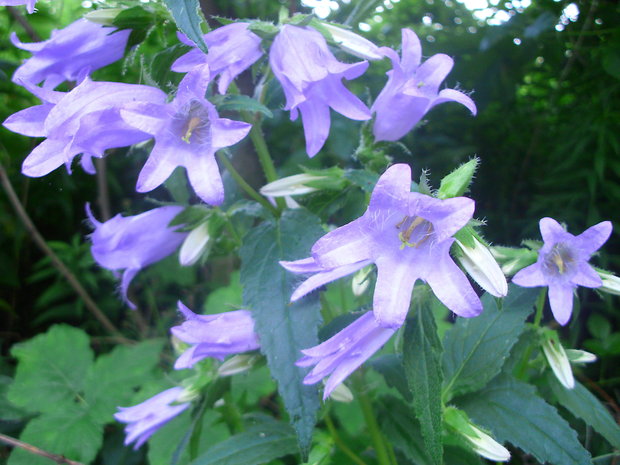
(340, 443)
(244, 185)
(232, 417)
(540, 305)
(521, 369)
(378, 441)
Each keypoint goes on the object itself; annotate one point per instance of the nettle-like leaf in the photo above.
(284, 329)
(188, 16)
(422, 362)
(513, 412)
(476, 348)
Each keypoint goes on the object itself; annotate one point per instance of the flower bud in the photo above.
(611, 282)
(105, 16)
(360, 281)
(353, 43)
(482, 267)
(291, 185)
(557, 359)
(237, 364)
(579, 356)
(341, 393)
(194, 245)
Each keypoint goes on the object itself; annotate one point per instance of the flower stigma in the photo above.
(559, 257)
(193, 120)
(418, 225)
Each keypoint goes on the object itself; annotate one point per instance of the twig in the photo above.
(58, 264)
(35, 450)
(103, 193)
(23, 22)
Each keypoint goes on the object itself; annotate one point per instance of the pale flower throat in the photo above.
(414, 231)
(192, 123)
(558, 259)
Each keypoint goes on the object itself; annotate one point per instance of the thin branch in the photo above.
(58, 264)
(35, 450)
(103, 193)
(23, 22)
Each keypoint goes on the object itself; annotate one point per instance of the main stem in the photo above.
(521, 370)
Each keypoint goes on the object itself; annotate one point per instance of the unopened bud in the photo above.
(611, 282)
(353, 43)
(194, 245)
(557, 359)
(237, 364)
(105, 16)
(291, 185)
(341, 393)
(482, 267)
(579, 356)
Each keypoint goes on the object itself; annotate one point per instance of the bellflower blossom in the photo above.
(187, 131)
(562, 264)
(408, 236)
(144, 419)
(81, 47)
(412, 89)
(83, 121)
(29, 4)
(131, 243)
(344, 352)
(233, 48)
(215, 336)
(311, 78)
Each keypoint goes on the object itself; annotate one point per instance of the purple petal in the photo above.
(593, 238)
(190, 60)
(392, 189)
(411, 51)
(227, 132)
(29, 47)
(128, 276)
(530, 276)
(158, 167)
(395, 281)
(397, 115)
(29, 121)
(447, 216)
(316, 121)
(337, 96)
(552, 232)
(204, 176)
(561, 301)
(46, 157)
(586, 276)
(343, 246)
(305, 265)
(146, 117)
(319, 279)
(451, 95)
(432, 72)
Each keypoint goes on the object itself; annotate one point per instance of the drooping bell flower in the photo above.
(412, 89)
(81, 47)
(130, 243)
(311, 78)
(85, 120)
(408, 236)
(562, 264)
(29, 4)
(215, 336)
(233, 48)
(187, 131)
(144, 419)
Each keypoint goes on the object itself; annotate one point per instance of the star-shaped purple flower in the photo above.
(144, 419)
(562, 264)
(232, 49)
(187, 131)
(412, 89)
(311, 78)
(131, 243)
(408, 236)
(215, 336)
(344, 352)
(81, 47)
(29, 4)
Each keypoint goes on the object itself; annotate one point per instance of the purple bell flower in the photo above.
(344, 352)
(412, 89)
(187, 131)
(29, 4)
(81, 47)
(562, 264)
(144, 419)
(233, 48)
(311, 78)
(131, 243)
(215, 336)
(83, 121)
(408, 236)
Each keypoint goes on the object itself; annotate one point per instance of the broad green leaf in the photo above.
(188, 16)
(112, 380)
(8, 411)
(240, 103)
(422, 362)
(391, 367)
(259, 445)
(51, 371)
(513, 412)
(458, 181)
(582, 403)
(70, 432)
(475, 348)
(284, 329)
(226, 297)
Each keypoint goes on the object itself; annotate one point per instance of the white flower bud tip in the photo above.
(341, 393)
(237, 364)
(486, 446)
(558, 360)
(611, 283)
(194, 245)
(291, 185)
(580, 356)
(482, 267)
(354, 43)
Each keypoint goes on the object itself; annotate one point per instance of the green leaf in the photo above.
(362, 178)
(261, 444)
(51, 370)
(475, 348)
(70, 432)
(225, 297)
(188, 16)
(582, 403)
(240, 103)
(112, 380)
(513, 411)
(457, 182)
(283, 328)
(391, 367)
(422, 362)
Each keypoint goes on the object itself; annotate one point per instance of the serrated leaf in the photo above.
(475, 348)
(283, 328)
(457, 182)
(240, 103)
(362, 178)
(391, 367)
(188, 17)
(584, 405)
(513, 412)
(51, 370)
(70, 432)
(422, 362)
(260, 445)
(112, 380)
